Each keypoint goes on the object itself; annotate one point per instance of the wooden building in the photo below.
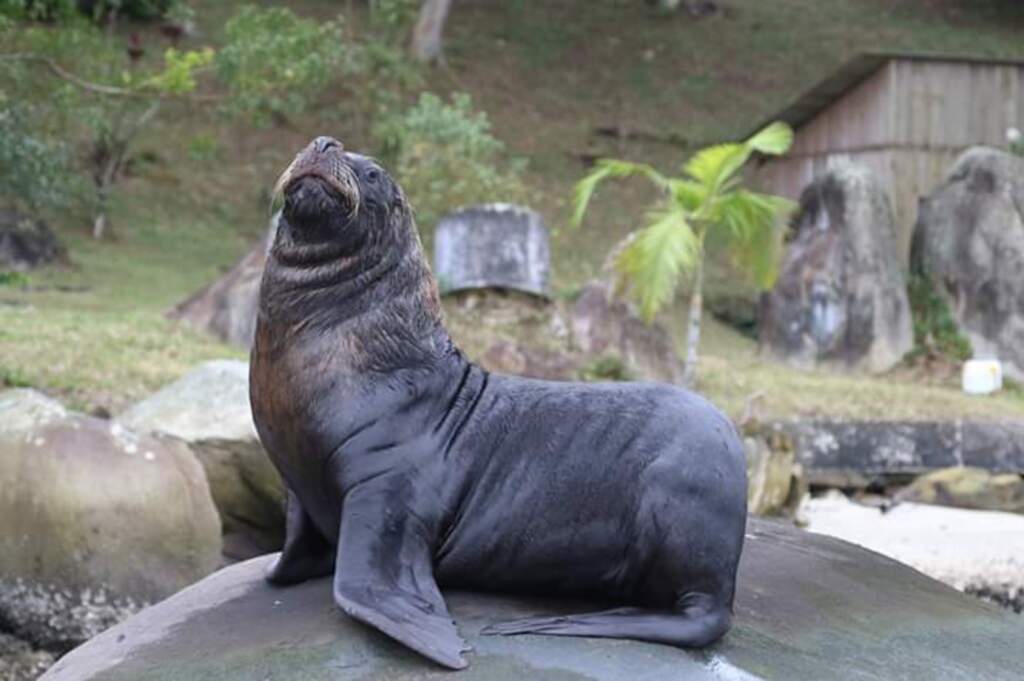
(907, 117)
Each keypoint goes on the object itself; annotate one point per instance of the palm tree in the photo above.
(707, 195)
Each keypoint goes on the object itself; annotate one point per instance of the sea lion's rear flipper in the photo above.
(306, 553)
(694, 626)
(384, 577)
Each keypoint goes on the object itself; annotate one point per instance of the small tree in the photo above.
(104, 92)
(706, 197)
(445, 156)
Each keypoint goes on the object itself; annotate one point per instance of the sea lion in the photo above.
(408, 467)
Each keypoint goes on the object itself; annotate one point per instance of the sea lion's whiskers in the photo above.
(282, 182)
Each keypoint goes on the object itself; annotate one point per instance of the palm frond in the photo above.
(753, 221)
(715, 166)
(608, 168)
(774, 140)
(655, 259)
(712, 166)
(688, 194)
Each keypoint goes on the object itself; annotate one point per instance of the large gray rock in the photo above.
(602, 325)
(808, 608)
(26, 243)
(227, 307)
(841, 297)
(494, 245)
(969, 241)
(95, 521)
(209, 409)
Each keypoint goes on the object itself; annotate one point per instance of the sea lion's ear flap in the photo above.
(398, 199)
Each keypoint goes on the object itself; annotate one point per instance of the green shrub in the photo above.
(445, 156)
(51, 10)
(274, 61)
(13, 278)
(34, 173)
(1015, 141)
(37, 10)
(393, 17)
(935, 330)
(606, 368)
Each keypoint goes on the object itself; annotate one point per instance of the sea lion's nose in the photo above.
(324, 143)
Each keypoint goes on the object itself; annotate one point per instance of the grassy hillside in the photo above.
(548, 74)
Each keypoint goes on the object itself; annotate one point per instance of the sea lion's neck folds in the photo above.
(368, 291)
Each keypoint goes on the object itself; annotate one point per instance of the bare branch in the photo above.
(99, 88)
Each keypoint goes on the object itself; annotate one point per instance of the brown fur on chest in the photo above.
(292, 372)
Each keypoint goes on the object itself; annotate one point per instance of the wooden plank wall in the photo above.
(939, 105)
(860, 118)
(908, 123)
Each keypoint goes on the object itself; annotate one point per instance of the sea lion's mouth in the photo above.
(319, 184)
(313, 195)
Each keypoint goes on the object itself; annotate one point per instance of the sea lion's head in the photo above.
(328, 191)
(346, 244)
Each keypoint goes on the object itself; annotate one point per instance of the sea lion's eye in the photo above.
(373, 175)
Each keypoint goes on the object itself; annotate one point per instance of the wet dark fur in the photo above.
(417, 468)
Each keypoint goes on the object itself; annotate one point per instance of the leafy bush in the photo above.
(935, 330)
(37, 10)
(393, 17)
(274, 61)
(1015, 141)
(136, 9)
(34, 172)
(50, 10)
(445, 156)
(606, 368)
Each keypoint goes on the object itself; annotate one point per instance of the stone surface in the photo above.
(602, 325)
(20, 662)
(95, 521)
(590, 338)
(26, 243)
(856, 453)
(775, 483)
(494, 245)
(967, 487)
(808, 608)
(977, 551)
(227, 307)
(209, 409)
(841, 297)
(969, 241)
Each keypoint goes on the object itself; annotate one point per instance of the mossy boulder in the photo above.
(775, 482)
(209, 409)
(96, 521)
(968, 487)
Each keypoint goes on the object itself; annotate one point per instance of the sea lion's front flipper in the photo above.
(384, 576)
(306, 553)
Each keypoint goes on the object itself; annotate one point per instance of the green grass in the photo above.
(547, 74)
(732, 372)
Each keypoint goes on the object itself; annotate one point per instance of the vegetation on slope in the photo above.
(562, 82)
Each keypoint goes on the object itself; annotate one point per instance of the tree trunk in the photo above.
(427, 36)
(693, 326)
(109, 154)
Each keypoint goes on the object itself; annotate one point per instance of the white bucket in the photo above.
(982, 376)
